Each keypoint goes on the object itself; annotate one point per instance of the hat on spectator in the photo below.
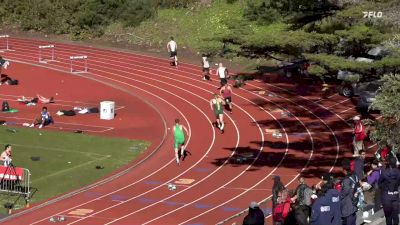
(356, 118)
(253, 204)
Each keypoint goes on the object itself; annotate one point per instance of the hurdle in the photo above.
(7, 47)
(82, 58)
(42, 49)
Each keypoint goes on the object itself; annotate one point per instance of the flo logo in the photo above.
(373, 14)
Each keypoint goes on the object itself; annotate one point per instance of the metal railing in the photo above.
(16, 181)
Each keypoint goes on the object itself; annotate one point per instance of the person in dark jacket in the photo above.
(347, 207)
(333, 197)
(389, 183)
(255, 215)
(359, 165)
(321, 213)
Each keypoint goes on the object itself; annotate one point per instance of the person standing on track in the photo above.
(179, 140)
(222, 73)
(172, 49)
(226, 92)
(216, 105)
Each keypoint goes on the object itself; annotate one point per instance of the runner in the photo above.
(216, 105)
(226, 92)
(222, 74)
(179, 139)
(172, 49)
(206, 67)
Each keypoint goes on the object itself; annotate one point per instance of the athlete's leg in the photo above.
(221, 119)
(176, 148)
(182, 150)
(176, 61)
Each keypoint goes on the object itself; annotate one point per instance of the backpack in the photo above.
(5, 107)
(355, 190)
(304, 195)
(281, 211)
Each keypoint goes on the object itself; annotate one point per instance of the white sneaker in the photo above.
(40, 126)
(32, 125)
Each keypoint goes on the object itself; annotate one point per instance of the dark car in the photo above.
(349, 89)
(367, 97)
(295, 67)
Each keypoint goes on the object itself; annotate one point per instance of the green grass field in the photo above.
(67, 160)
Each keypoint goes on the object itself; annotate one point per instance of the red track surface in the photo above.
(312, 141)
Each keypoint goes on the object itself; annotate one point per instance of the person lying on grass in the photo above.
(44, 119)
(34, 101)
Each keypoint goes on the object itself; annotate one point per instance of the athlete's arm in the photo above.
(211, 104)
(168, 47)
(230, 89)
(186, 130)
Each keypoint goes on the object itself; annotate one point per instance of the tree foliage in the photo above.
(76, 17)
(387, 101)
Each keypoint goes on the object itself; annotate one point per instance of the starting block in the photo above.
(4, 45)
(43, 57)
(80, 63)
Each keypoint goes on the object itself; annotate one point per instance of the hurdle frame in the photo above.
(82, 57)
(42, 48)
(6, 36)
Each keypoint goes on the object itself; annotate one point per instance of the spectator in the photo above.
(359, 136)
(44, 119)
(333, 196)
(347, 205)
(321, 212)
(282, 208)
(389, 182)
(372, 179)
(359, 163)
(255, 215)
(303, 202)
(6, 156)
(277, 187)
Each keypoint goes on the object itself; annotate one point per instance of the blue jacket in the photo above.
(389, 183)
(334, 202)
(321, 213)
(346, 194)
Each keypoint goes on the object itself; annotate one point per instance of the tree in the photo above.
(387, 101)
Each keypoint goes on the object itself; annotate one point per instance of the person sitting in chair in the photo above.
(6, 157)
(44, 119)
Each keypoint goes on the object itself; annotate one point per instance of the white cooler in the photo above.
(107, 110)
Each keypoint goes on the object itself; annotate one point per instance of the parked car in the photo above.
(295, 67)
(367, 97)
(350, 89)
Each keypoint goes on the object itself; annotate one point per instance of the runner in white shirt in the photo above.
(222, 74)
(206, 67)
(172, 49)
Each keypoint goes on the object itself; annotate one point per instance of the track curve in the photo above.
(221, 188)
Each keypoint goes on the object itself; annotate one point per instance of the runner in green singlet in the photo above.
(217, 107)
(179, 139)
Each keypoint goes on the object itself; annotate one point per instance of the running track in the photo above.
(315, 135)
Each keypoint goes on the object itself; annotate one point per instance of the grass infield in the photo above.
(67, 160)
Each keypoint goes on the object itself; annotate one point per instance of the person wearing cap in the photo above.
(372, 179)
(255, 215)
(359, 135)
(6, 156)
(389, 182)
